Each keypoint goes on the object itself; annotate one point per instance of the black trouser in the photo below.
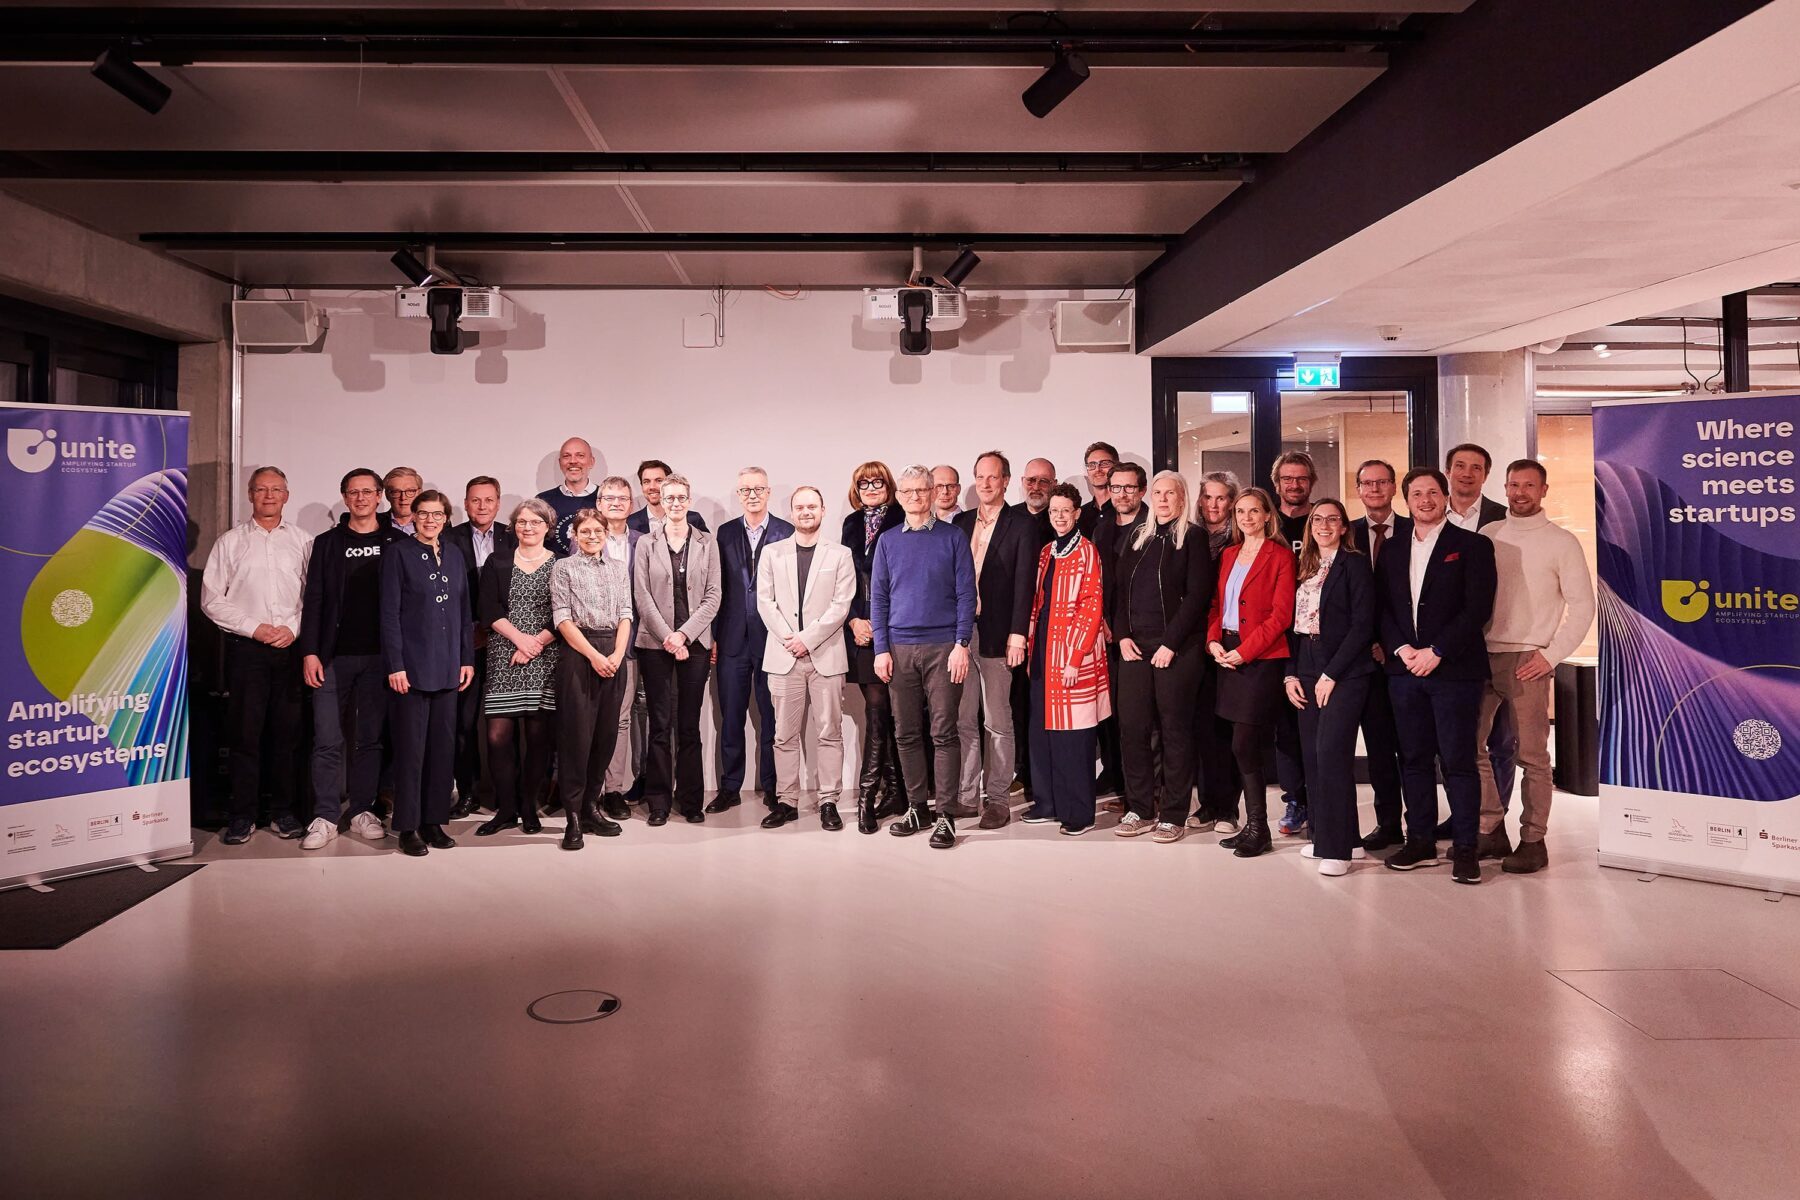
(1065, 765)
(675, 691)
(264, 683)
(1022, 719)
(424, 727)
(468, 731)
(1328, 745)
(1112, 775)
(1158, 700)
(1218, 777)
(1437, 721)
(587, 724)
(1290, 765)
(1381, 743)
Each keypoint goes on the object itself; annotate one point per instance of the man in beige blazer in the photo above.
(803, 593)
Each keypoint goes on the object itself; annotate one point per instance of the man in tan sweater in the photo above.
(1543, 606)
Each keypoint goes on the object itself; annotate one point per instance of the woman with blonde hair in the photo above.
(873, 511)
(1218, 782)
(1163, 586)
(1251, 613)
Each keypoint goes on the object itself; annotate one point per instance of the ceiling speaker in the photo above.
(1092, 324)
(276, 324)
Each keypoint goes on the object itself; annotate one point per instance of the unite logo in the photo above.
(1685, 600)
(31, 450)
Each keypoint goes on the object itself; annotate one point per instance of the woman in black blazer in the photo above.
(428, 640)
(1330, 670)
(873, 512)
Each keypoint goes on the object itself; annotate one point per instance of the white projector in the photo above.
(483, 308)
(946, 307)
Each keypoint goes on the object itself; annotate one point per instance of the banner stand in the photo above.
(93, 641)
(1699, 590)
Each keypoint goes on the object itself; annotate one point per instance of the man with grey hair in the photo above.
(252, 589)
(946, 491)
(740, 636)
(922, 613)
(627, 765)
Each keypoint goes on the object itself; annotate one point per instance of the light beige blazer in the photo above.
(830, 586)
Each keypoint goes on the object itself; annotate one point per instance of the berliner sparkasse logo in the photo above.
(1689, 600)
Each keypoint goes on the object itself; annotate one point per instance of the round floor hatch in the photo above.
(572, 1007)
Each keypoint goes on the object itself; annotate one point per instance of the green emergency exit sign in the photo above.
(1317, 375)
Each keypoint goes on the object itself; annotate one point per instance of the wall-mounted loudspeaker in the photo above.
(1093, 324)
(276, 324)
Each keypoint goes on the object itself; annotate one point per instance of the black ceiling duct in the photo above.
(115, 69)
(1057, 83)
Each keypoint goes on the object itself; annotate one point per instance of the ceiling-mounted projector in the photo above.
(915, 312)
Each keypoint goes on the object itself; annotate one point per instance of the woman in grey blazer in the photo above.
(675, 584)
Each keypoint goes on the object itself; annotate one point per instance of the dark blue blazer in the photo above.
(1455, 602)
(1359, 532)
(738, 629)
(1346, 619)
(427, 621)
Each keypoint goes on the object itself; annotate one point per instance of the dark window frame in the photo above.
(41, 340)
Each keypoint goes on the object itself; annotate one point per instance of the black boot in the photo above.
(828, 817)
(1254, 838)
(866, 820)
(571, 839)
(528, 817)
(868, 780)
(596, 822)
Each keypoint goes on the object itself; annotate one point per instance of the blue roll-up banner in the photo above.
(93, 648)
(1699, 555)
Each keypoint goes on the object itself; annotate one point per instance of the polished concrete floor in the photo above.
(831, 1015)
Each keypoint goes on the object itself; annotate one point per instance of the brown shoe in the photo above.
(958, 811)
(993, 816)
(1529, 857)
(1494, 845)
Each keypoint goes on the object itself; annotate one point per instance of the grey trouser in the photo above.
(922, 681)
(1531, 711)
(987, 707)
(800, 695)
(628, 752)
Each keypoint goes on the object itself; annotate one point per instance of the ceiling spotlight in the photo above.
(1058, 81)
(1601, 350)
(412, 268)
(115, 69)
(959, 270)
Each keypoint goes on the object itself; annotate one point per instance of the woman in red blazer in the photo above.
(1252, 608)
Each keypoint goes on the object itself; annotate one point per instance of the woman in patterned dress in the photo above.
(1067, 663)
(521, 669)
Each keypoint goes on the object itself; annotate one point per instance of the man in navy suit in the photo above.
(740, 636)
(1436, 591)
(1467, 467)
(477, 538)
(1371, 533)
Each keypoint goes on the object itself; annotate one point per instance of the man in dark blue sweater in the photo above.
(922, 607)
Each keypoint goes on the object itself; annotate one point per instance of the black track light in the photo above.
(115, 69)
(959, 270)
(1058, 81)
(412, 268)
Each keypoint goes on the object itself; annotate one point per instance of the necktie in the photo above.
(1380, 536)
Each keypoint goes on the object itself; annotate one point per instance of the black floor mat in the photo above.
(32, 920)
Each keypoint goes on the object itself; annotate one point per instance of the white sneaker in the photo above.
(1355, 852)
(1226, 827)
(319, 834)
(1133, 825)
(1333, 866)
(367, 825)
(1198, 822)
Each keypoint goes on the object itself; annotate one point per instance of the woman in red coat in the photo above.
(1251, 612)
(1069, 695)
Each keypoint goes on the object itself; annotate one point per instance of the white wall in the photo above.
(797, 387)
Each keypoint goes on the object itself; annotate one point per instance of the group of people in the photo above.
(1139, 643)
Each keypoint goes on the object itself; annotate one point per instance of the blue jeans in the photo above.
(359, 681)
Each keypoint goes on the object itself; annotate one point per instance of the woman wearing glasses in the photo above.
(676, 587)
(591, 606)
(873, 511)
(1251, 612)
(428, 640)
(520, 701)
(1329, 670)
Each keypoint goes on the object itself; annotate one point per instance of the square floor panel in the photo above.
(1687, 1005)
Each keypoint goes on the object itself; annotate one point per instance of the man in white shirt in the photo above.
(946, 491)
(252, 589)
(803, 592)
(1543, 607)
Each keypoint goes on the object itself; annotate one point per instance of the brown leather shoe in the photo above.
(957, 810)
(1529, 857)
(993, 816)
(1494, 845)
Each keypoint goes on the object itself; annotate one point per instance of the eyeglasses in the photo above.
(427, 514)
(361, 493)
(871, 485)
(947, 487)
(615, 498)
(673, 498)
(403, 493)
(1095, 464)
(917, 491)
(1293, 479)
(588, 533)
(1369, 483)
(268, 491)
(1327, 519)
(1124, 487)
(748, 492)
(1038, 481)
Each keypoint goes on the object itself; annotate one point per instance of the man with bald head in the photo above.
(576, 491)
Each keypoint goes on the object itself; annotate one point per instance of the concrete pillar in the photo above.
(205, 393)
(1487, 399)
